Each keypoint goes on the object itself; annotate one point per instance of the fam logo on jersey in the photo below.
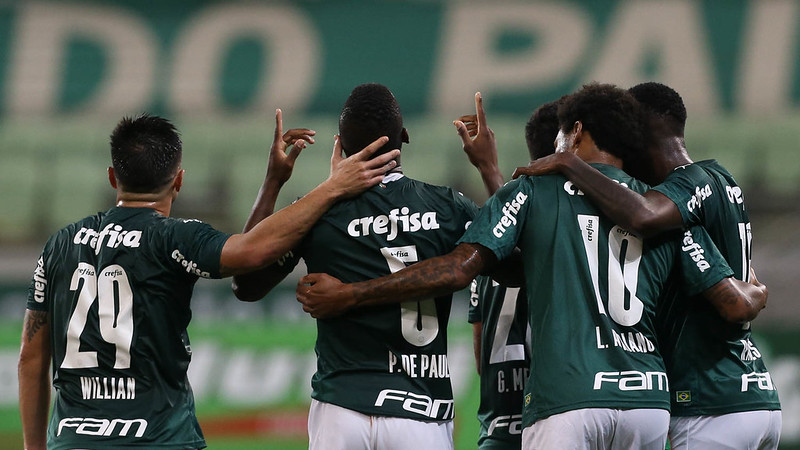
(189, 266)
(39, 281)
(700, 194)
(115, 234)
(434, 408)
(510, 211)
(102, 427)
(397, 220)
(695, 251)
(683, 396)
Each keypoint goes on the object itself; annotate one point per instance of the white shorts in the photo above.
(331, 427)
(749, 430)
(600, 428)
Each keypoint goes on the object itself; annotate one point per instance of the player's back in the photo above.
(504, 360)
(715, 367)
(592, 292)
(118, 286)
(388, 360)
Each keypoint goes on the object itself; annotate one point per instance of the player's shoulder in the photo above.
(439, 192)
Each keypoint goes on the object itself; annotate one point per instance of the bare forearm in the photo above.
(492, 179)
(34, 404)
(275, 235)
(264, 205)
(34, 379)
(622, 205)
(737, 301)
(253, 286)
(430, 278)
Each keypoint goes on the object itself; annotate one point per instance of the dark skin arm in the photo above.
(323, 296)
(255, 285)
(648, 215)
(480, 145)
(644, 215)
(34, 378)
(738, 301)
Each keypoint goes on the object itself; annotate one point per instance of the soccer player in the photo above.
(382, 379)
(109, 302)
(722, 392)
(499, 314)
(596, 377)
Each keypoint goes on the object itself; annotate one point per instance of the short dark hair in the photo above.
(541, 130)
(662, 101)
(610, 114)
(371, 111)
(146, 152)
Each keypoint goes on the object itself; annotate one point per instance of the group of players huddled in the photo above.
(611, 289)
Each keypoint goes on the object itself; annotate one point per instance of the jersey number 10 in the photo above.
(624, 255)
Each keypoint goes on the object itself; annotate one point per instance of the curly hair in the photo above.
(541, 130)
(146, 152)
(662, 101)
(611, 116)
(371, 111)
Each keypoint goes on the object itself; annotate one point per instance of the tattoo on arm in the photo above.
(35, 321)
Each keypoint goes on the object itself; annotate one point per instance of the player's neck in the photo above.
(162, 205)
(668, 153)
(595, 155)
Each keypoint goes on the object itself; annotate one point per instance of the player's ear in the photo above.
(112, 179)
(404, 135)
(177, 183)
(577, 133)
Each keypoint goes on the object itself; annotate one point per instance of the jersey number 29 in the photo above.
(115, 315)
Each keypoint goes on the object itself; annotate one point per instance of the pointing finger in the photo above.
(480, 112)
(278, 124)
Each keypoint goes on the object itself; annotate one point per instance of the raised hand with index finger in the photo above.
(281, 164)
(480, 146)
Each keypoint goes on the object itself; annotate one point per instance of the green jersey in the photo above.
(505, 360)
(593, 289)
(387, 360)
(117, 286)
(714, 366)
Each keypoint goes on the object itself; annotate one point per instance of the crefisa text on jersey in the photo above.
(398, 219)
(115, 234)
(420, 365)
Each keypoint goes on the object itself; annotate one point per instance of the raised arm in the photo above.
(738, 301)
(255, 285)
(480, 146)
(324, 296)
(277, 234)
(645, 215)
(34, 379)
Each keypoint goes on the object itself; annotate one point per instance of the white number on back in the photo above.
(501, 350)
(418, 321)
(115, 315)
(624, 255)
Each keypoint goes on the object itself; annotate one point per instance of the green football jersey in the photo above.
(714, 366)
(388, 360)
(504, 361)
(593, 289)
(117, 286)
